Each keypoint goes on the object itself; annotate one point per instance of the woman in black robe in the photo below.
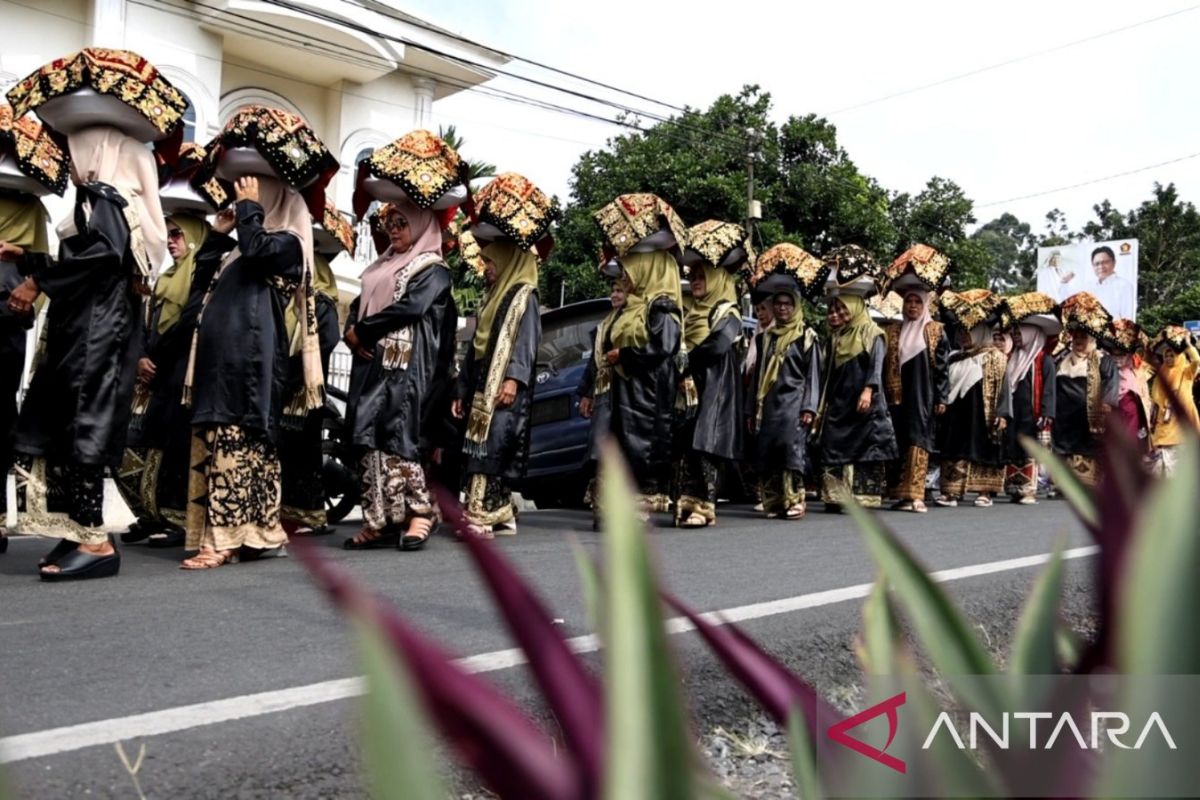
(782, 400)
(24, 249)
(495, 389)
(595, 396)
(1086, 392)
(857, 438)
(401, 331)
(237, 380)
(153, 478)
(916, 382)
(1031, 375)
(712, 327)
(75, 417)
(971, 440)
(646, 338)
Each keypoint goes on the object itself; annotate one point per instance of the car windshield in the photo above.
(566, 341)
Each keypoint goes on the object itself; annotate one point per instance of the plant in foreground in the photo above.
(625, 737)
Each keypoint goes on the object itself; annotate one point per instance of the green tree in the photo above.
(1012, 252)
(939, 217)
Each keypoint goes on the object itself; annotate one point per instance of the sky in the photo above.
(1086, 111)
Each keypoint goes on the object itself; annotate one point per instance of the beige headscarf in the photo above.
(107, 155)
(380, 279)
(912, 331)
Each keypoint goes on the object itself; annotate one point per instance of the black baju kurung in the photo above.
(923, 384)
(643, 401)
(240, 383)
(714, 433)
(1028, 406)
(76, 414)
(493, 468)
(1079, 417)
(855, 446)
(971, 450)
(780, 449)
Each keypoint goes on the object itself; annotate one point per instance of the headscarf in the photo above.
(856, 336)
(515, 266)
(1127, 368)
(965, 369)
(175, 283)
(1006, 344)
(324, 281)
(23, 222)
(380, 279)
(651, 276)
(1074, 365)
(1020, 362)
(106, 155)
(721, 289)
(776, 341)
(912, 331)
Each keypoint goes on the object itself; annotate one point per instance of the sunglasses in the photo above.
(395, 224)
(175, 233)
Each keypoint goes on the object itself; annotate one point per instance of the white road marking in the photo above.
(170, 720)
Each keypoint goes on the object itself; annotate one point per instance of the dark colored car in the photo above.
(558, 470)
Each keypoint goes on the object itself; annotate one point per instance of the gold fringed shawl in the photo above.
(994, 364)
(1095, 405)
(483, 404)
(603, 380)
(891, 363)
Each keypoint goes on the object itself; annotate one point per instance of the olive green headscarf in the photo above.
(651, 276)
(514, 266)
(776, 341)
(722, 288)
(23, 222)
(175, 283)
(857, 335)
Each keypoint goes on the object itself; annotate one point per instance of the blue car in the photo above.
(558, 469)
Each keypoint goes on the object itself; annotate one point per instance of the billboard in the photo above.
(1109, 270)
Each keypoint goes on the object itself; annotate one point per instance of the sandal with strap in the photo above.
(902, 505)
(371, 539)
(796, 512)
(208, 558)
(417, 534)
(919, 507)
(693, 520)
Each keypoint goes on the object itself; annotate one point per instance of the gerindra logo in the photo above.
(839, 732)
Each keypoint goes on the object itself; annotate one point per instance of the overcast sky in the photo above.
(1084, 112)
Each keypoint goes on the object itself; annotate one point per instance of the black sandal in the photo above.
(416, 540)
(56, 553)
(79, 565)
(170, 537)
(387, 538)
(139, 531)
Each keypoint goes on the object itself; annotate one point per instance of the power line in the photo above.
(1011, 61)
(1089, 183)
(513, 56)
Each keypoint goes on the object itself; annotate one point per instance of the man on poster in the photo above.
(1115, 293)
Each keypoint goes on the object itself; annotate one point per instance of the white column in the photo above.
(106, 23)
(423, 101)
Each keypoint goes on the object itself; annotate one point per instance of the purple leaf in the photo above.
(489, 734)
(570, 690)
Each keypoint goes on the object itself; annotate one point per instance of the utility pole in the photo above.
(753, 207)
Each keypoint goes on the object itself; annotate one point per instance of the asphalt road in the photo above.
(157, 638)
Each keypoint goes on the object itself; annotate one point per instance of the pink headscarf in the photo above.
(912, 331)
(380, 278)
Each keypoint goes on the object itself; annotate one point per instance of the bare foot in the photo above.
(105, 549)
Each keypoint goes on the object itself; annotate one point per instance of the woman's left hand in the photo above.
(351, 339)
(22, 298)
(10, 251)
(864, 400)
(612, 356)
(1001, 423)
(247, 188)
(508, 394)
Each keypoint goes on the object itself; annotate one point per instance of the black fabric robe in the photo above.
(508, 436)
(601, 419)
(781, 442)
(848, 437)
(401, 411)
(14, 332)
(241, 373)
(78, 405)
(643, 400)
(166, 420)
(1024, 421)
(1072, 434)
(964, 434)
(924, 384)
(716, 369)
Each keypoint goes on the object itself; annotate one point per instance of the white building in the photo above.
(360, 71)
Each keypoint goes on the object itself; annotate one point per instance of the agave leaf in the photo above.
(570, 691)
(880, 654)
(396, 741)
(1066, 482)
(1034, 647)
(804, 758)
(489, 734)
(590, 582)
(947, 638)
(649, 750)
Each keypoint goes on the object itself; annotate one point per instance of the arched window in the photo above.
(189, 121)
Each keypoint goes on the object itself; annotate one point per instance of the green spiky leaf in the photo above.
(1064, 479)
(1035, 647)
